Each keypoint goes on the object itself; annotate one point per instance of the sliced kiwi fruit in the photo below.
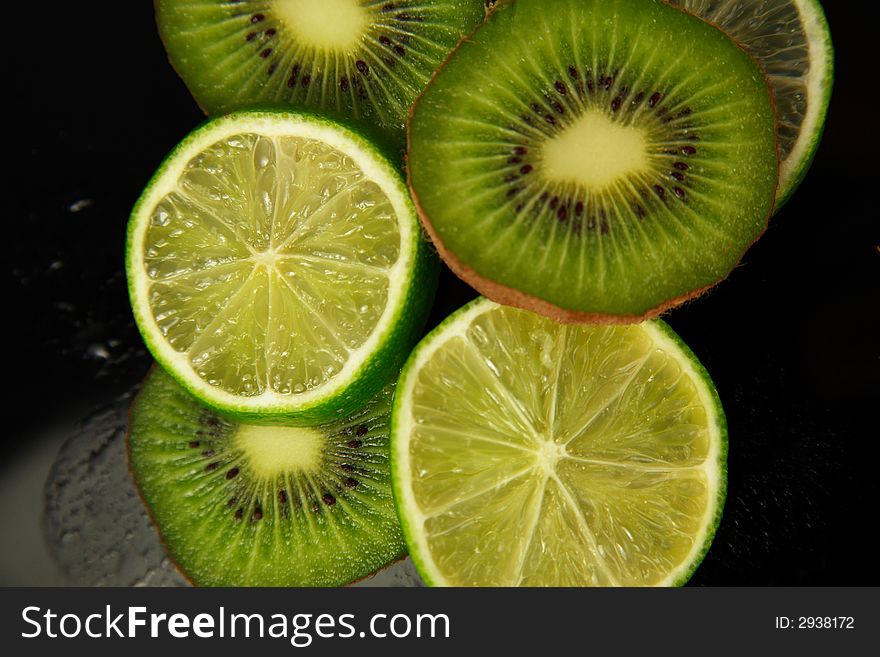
(361, 60)
(244, 505)
(594, 160)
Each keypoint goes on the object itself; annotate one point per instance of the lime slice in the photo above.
(531, 453)
(276, 267)
(791, 40)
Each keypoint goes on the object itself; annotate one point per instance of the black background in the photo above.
(791, 339)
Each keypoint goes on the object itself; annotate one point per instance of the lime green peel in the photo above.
(792, 42)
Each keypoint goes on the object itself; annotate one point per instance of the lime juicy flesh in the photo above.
(791, 40)
(533, 453)
(269, 264)
(276, 268)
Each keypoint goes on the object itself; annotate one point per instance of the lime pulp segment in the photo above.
(792, 41)
(269, 259)
(527, 452)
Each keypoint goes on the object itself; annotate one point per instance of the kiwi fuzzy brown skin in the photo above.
(137, 483)
(509, 296)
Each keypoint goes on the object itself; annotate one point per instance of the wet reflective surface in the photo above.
(95, 526)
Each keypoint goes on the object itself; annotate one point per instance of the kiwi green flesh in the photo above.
(229, 518)
(238, 54)
(678, 223)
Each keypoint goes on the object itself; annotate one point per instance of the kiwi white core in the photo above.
(594, 152)
(324, 24)
(276, 450)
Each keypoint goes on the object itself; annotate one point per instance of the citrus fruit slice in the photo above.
(531, 453)
(791, 40)
(276, 267)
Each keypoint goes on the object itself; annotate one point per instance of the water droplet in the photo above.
(80, 205)
(98, 351)
(160, 218)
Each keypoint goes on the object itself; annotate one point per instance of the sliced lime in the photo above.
(275, 266)
(531, 453)
(791, 40)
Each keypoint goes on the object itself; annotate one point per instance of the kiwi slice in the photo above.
(594, 160)
(244, 505)
(353, 59)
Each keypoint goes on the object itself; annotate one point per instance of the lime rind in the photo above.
(700, 376)
(412, 279)
(819, 78)
(400, 462)
(455, 325)
(821, 84)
